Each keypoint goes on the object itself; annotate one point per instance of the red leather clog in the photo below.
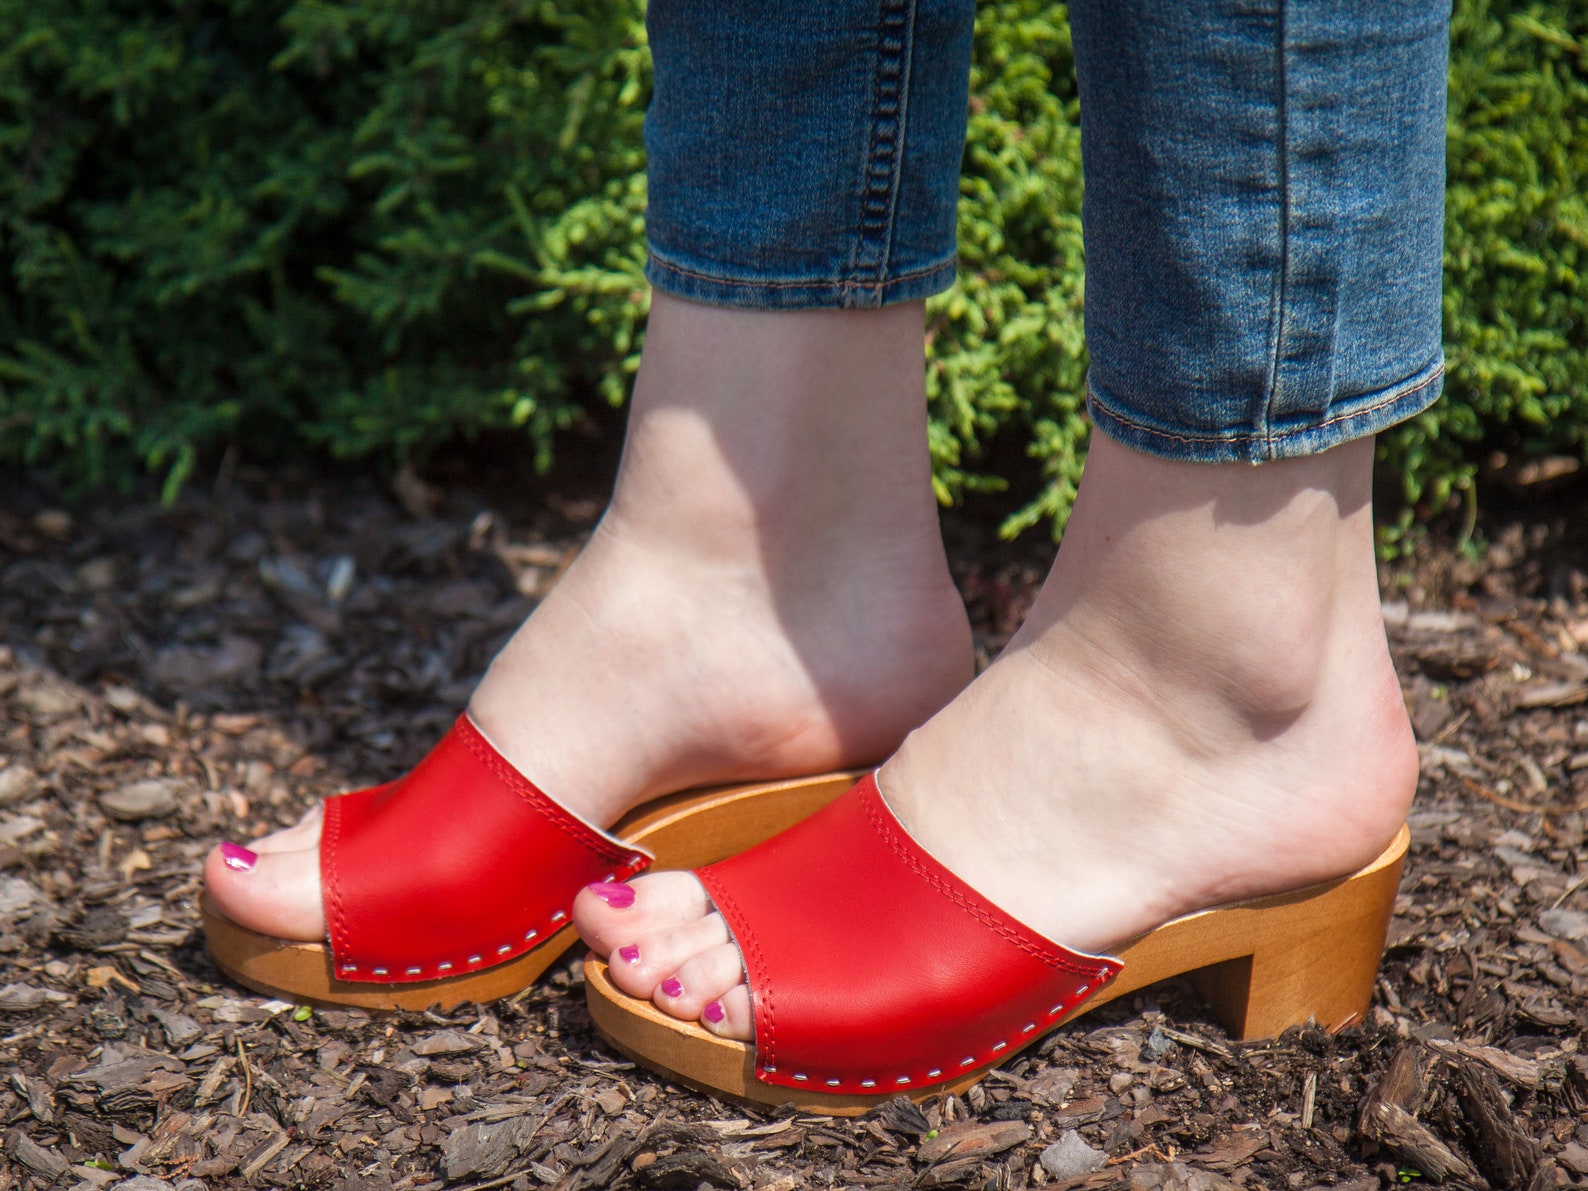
(876, 972)
(454, 883)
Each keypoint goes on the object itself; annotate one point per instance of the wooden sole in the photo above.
(1263, 965)
(683, 831)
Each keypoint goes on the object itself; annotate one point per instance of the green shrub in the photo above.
(1516, 226)
(366, 226)
(371, 228)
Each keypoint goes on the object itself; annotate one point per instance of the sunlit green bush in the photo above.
(371, 228)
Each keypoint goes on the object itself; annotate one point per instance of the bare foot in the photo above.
(764, 597)
(1200, 708)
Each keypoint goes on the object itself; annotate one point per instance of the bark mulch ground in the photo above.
(173, 676)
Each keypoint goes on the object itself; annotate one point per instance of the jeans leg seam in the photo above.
(880, 184)
(1276, 336)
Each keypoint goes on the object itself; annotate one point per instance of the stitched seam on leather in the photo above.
(889, 837)
(333, 882)
(537, 799)
(577, 833)
(750, 952)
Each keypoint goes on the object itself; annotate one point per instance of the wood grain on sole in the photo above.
(1264, 965)
(683, 830)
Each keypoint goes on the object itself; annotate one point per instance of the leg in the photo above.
(1201, 707)
(767, 594)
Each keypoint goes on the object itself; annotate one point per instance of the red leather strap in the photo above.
(459, 865)
(874, 968)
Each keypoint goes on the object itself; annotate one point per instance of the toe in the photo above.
(730, 1015)
(705, 978)
(305, 833)
(273, 893)
(664, 942)
(607, 917)
(643, 963)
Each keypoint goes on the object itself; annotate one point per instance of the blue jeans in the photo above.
(1264, 203)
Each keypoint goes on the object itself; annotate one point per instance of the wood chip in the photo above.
(216, 687)
(261, 1155)
(1503, 1152)
(484, 1150)
(973, 1139)
(1070, 1157)
(35, 1157)
(448, 1042)
(1389, 1118)
(1554, 694)
(1404, 1136)
(1195, 1042)
(17, 782)
(17, 897)
(141, 800)
(21, 998)
(1514, 1068)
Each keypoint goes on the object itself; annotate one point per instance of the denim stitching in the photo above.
(1282, 277)
(843, 284)
(880, 185)
(1391, 397)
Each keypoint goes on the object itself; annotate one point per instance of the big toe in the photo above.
(665, 942)
(272, 888)
(612, 914)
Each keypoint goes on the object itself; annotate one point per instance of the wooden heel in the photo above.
(1275, 962)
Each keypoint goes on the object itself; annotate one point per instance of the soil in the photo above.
(174, 675)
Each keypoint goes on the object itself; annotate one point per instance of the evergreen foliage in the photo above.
(370, 227)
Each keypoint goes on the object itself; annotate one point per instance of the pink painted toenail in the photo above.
(619, 897)
(629, 954)
(237, 857)
(671, 988)
(713, 1012)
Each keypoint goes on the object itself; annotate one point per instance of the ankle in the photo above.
(1231, 585)
(779, 425)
